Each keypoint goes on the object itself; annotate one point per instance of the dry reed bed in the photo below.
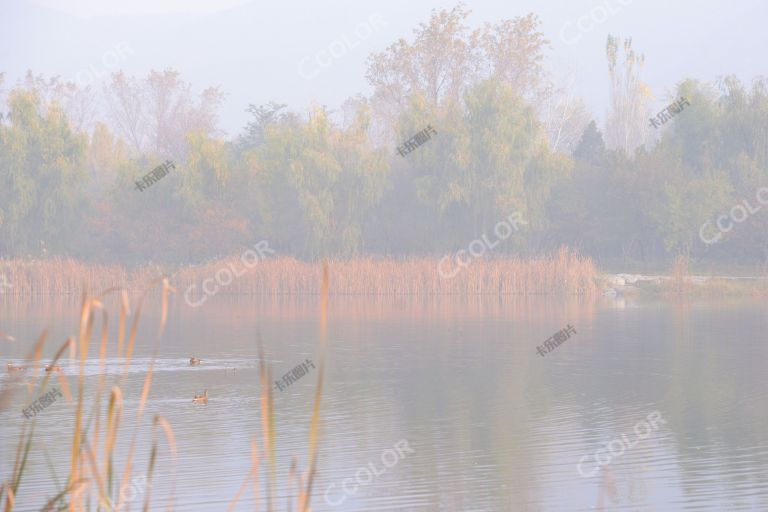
(563, 273)
(57, 276)
(435, 308)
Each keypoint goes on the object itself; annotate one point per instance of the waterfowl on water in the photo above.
(52, 368)
(12, 368)
(193, 361)
(201, 398)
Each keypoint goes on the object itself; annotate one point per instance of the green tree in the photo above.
(321, 181)
(43, 177)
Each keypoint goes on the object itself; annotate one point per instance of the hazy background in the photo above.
(532, 114)
(252, 49)
(556, 133)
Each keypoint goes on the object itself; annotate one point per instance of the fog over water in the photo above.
(214, 43)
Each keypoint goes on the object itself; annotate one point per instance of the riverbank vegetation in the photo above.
(562, 273)
(510, 138)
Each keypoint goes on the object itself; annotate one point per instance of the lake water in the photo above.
(488, 424)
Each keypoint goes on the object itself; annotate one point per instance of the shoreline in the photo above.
(561, 274)
(614, 285)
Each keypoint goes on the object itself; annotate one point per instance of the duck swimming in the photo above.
(193, 361)
(52, 368)
(201, 398)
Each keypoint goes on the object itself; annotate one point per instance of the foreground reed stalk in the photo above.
(92, 473)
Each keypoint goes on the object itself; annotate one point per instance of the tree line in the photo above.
(509, 138)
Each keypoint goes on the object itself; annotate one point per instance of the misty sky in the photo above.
(252, 49)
